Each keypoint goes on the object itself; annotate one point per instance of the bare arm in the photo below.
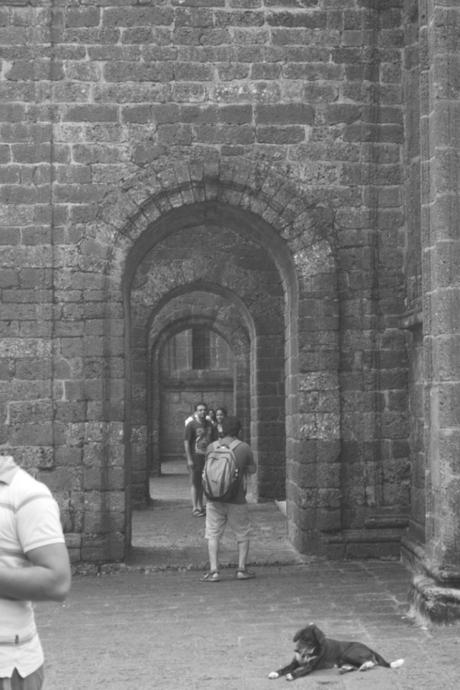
(188, 454)
(251, 467)
(48, 577)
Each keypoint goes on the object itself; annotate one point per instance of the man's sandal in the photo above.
(211, 576)
(244, 574)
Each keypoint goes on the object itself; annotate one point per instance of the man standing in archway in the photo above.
(232, 510)
(199, 433)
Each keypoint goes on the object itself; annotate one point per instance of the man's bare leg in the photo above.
(213, 552)
(243, 551)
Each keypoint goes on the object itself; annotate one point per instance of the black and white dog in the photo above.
(315, 651)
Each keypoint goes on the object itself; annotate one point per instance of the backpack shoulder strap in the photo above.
(236, 442)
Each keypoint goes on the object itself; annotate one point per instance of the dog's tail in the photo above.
(397, 663)
(383, 662)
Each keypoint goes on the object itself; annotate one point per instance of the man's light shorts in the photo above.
(218, 515)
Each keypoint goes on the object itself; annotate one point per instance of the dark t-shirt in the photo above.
(199, 435)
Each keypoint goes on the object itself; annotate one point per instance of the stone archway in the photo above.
(177, 383)
(209, 306)
(207, 247)
(295, 232)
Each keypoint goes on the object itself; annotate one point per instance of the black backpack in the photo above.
(220, 474)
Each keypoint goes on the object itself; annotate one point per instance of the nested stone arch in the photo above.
(223, 311)
(296, 231)
(204, 248)
(224, 304)
(226, 321)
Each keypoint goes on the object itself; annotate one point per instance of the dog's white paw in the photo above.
(289, 676)
(346, 668)
(273, 674)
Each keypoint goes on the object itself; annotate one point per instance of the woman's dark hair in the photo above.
(231, 426)
(222, 409)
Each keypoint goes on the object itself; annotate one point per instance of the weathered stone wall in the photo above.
(433, 302)
(414, 87)
(115, 113)
(440, 200)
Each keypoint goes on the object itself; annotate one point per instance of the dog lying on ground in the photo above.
(315, 651)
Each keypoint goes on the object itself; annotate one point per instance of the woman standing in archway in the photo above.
(221, 413)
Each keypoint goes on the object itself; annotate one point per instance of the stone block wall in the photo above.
(414, 86)
(432, 96)
(108, 105)
(440, 201)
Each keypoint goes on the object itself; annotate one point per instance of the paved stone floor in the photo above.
(167, 535)
(152, 624)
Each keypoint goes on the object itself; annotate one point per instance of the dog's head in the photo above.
(309, 642)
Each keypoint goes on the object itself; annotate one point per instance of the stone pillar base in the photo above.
(434, 596)
(433, 602)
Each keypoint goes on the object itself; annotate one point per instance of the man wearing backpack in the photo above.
(231, 509)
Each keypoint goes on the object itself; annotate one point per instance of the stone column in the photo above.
(437, 593)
